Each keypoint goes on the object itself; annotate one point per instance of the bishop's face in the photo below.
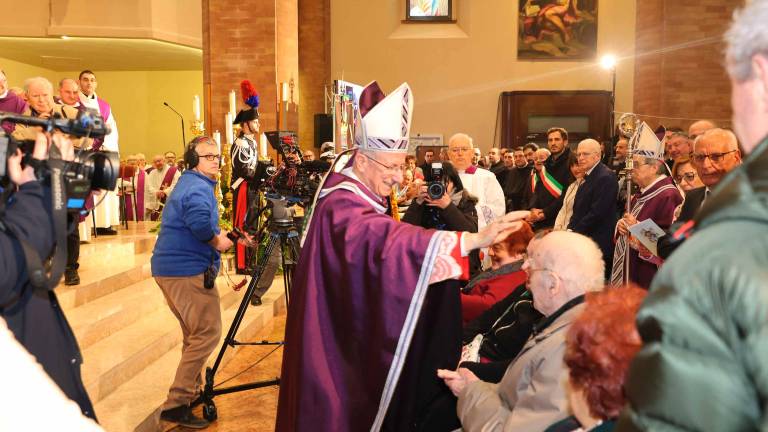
(380, 171)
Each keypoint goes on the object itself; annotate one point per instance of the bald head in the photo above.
(68, 91)
(715, 153)
(561, 266)
(460, 151)
(699, 127)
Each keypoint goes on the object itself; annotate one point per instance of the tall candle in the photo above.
(232, 106)
(196, 107)
(285, 92)
(217, 138)
(263, 146)
(228, 125)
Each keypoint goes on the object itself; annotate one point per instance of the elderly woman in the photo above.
(566, 211)
(657, 200)
(502, 279)
(600, 346)
(685, 175)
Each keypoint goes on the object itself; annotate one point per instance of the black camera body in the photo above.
(293, 179)
(436, 185)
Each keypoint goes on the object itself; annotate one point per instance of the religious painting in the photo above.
(557, 30)
(428, 10)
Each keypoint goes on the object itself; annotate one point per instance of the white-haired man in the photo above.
(703, 364)
(358, 298)
(561, 267)
(477, 181)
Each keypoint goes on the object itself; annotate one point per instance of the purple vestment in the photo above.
(12, 104)
(358, 293)
(658, 203)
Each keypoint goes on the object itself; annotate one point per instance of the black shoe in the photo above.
(256, 300)
(71, 277)
(182, 415)
(106, 231)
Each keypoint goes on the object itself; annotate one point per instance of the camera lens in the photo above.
(435, 190)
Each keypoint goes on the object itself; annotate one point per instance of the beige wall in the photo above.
(144, 124)
(458, 71)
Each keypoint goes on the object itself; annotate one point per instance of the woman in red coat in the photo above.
(505, 275)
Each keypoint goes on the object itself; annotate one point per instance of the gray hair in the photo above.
(724, 134)
(747, 37)
(575, 258)
(461, 136)
(37, 80)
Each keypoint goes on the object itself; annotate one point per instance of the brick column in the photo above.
(679, 71)
(314, 64)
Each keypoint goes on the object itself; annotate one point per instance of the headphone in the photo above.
(191, 158)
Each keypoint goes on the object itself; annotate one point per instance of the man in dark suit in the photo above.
(594, 209)
(715, 153)
(497, 165)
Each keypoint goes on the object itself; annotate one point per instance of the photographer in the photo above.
(185, 263)
(33, 314)
(454, 211)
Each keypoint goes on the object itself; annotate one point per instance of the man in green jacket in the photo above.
(704, 364)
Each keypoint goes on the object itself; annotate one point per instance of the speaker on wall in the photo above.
(323, 129)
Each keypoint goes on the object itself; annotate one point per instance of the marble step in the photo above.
(135, 404)
(116, 358)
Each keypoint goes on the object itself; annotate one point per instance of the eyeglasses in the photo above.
(211, 157)
(392, 169)
(689, 177)
(460, 149)
(714, 157)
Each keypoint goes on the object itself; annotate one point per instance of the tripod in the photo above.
(283, 234)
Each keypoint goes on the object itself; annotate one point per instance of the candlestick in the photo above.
(196, 107)
(263, 147)
(232, 106)
(217, 138)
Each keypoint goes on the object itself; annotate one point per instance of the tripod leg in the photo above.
(269, 274)
(291, 247)
(274, 241)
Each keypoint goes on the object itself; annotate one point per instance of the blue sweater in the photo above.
(190, 220)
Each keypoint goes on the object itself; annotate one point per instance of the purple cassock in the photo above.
(658, 203)
(11, 104)
(359, 302)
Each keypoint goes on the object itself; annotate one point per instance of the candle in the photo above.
(196, 107)
(232, 106)
(285, 92)
(217, 138)
(228, 125)
(263, 146)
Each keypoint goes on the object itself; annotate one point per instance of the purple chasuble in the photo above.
(660, 208)
(12, 104)
(359, 290)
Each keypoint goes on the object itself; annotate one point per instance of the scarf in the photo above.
(550, 183)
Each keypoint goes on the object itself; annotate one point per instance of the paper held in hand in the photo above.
(648, 233)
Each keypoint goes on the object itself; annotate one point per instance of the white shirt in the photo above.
(484, 185)
(152, 184)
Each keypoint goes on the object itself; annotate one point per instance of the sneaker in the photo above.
(71, 277)
(182, 415)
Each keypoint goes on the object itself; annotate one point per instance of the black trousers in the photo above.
(73, 244)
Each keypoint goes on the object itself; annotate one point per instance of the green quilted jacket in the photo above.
(704, 324)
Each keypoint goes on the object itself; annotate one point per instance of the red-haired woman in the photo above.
(505, 275)
(600, 346)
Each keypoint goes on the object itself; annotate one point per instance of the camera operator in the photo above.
(455, 210)
(185, 263)
(33, 314)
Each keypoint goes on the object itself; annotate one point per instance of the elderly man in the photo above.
(657, 200)
(477, 181)
(704, 321)
(561, 268)
(697, 128)
(358, 299)
(715, 153)
(159, 185)
(68, 93)
(170, 158)
(594, 208)
(550, 181)
(9, 102)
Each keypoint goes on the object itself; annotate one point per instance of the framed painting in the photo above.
(557, 30)
(428, 10)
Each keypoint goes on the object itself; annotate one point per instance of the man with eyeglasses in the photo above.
(362, 294)
(562, 267)
(594, 211)
(187, 251)
(477, 181)
(158, 186)
(715, 153)
(705, 320)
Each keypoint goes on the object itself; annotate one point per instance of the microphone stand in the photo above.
(183, 137)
